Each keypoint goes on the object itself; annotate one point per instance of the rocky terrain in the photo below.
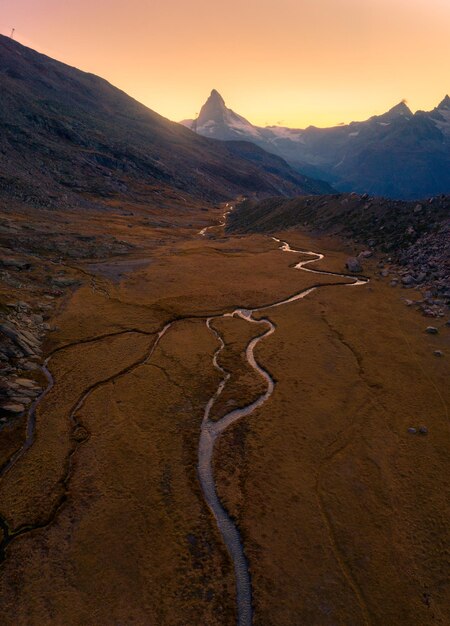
(20, 353)
(36, 276)
(46, 254)
(412, 238)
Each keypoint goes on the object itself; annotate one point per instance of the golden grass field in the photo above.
(344, 515)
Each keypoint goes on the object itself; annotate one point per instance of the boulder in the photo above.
(15, 264)
(353, 265)
(20, 400)
(63, 281)
(13, 407)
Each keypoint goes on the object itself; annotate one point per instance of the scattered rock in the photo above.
(13, 408)
(407, 280)
(412, 430)
(353, 265)
(431, 330)
(20, 400)
(438, 353)
(423, 430)
(13, 333)
(25, 382)
(29, 366)
(15, 264)
(63, 281)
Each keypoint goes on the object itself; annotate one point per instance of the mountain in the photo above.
(70, 138)
(398, 154)
(217, 121)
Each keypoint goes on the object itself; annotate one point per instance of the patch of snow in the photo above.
(282, 132)
(241, 125)
(384, 123)
(355, 134)
(444, 124)
(208, 124)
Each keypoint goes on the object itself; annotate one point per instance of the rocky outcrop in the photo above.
(410, 238)
(21, 334)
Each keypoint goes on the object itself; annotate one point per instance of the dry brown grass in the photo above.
(343, 514)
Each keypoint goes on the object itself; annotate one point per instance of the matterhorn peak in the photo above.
(215, 96)
(213, 109)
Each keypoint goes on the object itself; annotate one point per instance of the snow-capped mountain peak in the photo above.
(218, 121)
(390, 154)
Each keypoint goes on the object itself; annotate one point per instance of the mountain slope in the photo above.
(70, 137)
(398, 154)
(413, 235)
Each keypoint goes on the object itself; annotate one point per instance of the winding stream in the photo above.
(211, 430)
(203, 231)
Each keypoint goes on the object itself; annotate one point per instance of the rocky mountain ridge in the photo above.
(398, 154)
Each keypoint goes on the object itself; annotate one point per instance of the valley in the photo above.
(223, 384)
(103, 515)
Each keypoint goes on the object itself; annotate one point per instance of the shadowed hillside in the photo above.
(414, 234)
(69, 138)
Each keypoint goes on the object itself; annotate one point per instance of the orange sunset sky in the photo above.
(294, 62)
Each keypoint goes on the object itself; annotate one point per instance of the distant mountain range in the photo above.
(69, 138)
(399, 154)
